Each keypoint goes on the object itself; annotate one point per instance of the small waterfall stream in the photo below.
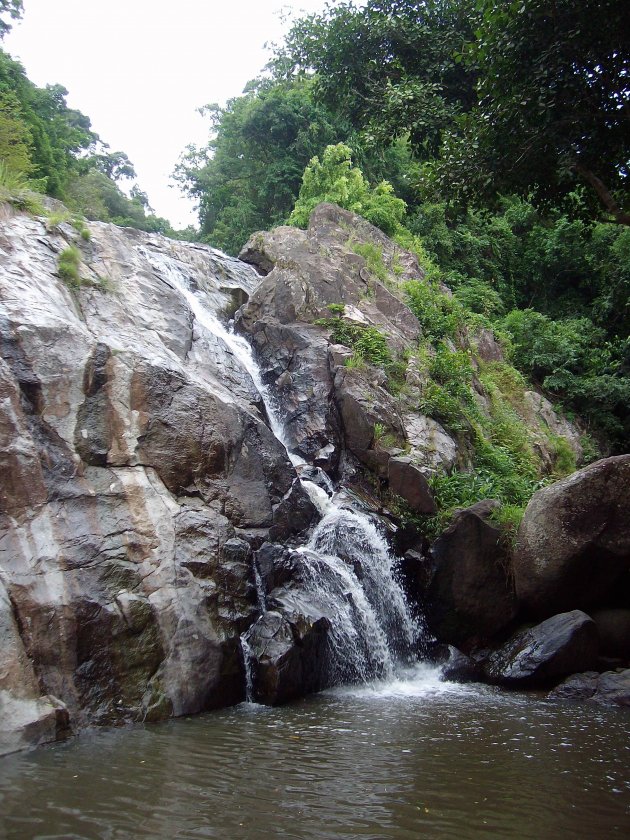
(348, 569)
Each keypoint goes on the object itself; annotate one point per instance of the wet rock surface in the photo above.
(561, 645)
(612, 688)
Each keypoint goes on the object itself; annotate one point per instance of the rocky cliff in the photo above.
(139, 474)
(136, 470)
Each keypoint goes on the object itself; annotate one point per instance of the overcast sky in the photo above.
(140, 69)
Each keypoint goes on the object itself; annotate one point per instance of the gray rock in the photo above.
(612, 688)
(406, 480)
(457, 667)
(574, 541)
(561, 645)
(288, 656)
(132, 446)
(471, 595)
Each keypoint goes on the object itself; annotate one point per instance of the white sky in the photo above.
(140, 69)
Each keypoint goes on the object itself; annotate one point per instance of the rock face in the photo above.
(471, 595)
(327, 406)
(574, 541)
(133, 460)
(561, 645)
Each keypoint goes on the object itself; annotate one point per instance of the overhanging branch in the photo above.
(604, 194)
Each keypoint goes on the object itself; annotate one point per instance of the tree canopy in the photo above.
(9, 10)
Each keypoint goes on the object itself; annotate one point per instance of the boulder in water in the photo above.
(612, 688)
(573, 544)
(457, 667)
(561, 645)
(471, 595)
(287, 656)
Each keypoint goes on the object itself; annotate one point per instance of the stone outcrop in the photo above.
(573, 544)
(326, 405)
(561, 645)
(471, 595)
(134, 459)
(141, 486)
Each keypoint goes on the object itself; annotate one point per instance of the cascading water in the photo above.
(347, 570)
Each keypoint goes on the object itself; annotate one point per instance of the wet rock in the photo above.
(287, 656)
(406, 480)
(561, 645)
(576, 687)
(471, 595)
(612, 688)
(457, 667)
(27, 717)
(416, 571)
(306, 273)
(132, 446)
(574, 541)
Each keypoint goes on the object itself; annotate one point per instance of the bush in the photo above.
(334, 179)
(68, 264)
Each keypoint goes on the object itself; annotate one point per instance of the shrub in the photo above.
(335, 179)
(68, 264)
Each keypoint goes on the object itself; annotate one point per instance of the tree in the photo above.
(15, 137)
(554, 104)
(248, 176)
(387, 65)
(59, 135)
(335, 179)
(12, 9)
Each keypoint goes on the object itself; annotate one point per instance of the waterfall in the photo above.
(347, 570)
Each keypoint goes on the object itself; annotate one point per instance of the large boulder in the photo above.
(407, 481)
(286, 656)
(471, 595)
(574, 541)
(561, 645)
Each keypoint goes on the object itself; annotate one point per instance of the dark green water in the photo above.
(412, 759)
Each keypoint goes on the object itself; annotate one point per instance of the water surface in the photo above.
(413, 758)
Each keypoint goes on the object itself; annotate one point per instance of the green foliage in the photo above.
(440, 315)
(388, 65)
(571, 359)
(564, 457)
(9, 10)
(68, 264)
(336, 180)
(553, 98)
(248, 176)
(368, 343)
(373, 255)
(15, 190)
